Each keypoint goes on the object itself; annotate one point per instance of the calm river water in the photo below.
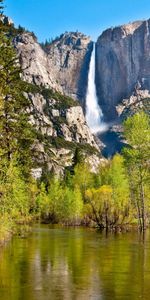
(75, 264)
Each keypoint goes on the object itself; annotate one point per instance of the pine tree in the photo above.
(16, 134)
(1, 6)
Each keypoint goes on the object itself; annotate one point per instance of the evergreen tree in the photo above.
(16, 132)
(1, 6)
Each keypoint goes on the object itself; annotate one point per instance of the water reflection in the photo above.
(56, 263)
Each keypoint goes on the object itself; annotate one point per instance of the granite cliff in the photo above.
(62, 131)
(53, 72)
(122, 82)
(62, 64)
(123, 64)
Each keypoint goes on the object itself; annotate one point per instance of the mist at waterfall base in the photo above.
(94, 114)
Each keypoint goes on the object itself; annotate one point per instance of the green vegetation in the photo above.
(16, 136)
(61, 101)
(115, 197)
(137, 133)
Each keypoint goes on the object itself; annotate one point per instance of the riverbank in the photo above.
(20, 227)
(5, 231)
(75, 263)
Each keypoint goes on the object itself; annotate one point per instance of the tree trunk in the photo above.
(142, 206)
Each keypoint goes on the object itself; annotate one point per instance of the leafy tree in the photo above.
(101, 203)
(82, 178)
(42, 202)
(70, 205)
(14, 192)
(137, 133)
(120, 187)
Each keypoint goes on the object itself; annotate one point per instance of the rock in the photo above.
(36, 173)
(60, 132)
(95, 162)
(69, 58)
(55, 113)
(34, 61)
(76, 121)
(140, 99)
(123, 62)
(62, 65)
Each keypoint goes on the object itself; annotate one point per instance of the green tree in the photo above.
(82, 178)
(70, 205)
(100, 201)
(120, 189)
(137, 133)
(42, 202)
(16, 132)
(14, 192)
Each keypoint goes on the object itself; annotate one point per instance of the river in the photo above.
(74, 264)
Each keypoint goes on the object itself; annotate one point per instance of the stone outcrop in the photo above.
(68, 123)
(123, 63)
(61, 128)
(34, 62)
(62, 64)
(69, 58)
(140, 99)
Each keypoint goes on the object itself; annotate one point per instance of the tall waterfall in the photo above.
(93, 111)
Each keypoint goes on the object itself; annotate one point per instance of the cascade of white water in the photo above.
(93, 111)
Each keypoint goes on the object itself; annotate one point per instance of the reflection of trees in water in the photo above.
(75, 264)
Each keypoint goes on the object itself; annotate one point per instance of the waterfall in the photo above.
(93, 111)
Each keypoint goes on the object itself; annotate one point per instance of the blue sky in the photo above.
(50, 18)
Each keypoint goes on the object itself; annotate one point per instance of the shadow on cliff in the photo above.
(113, 142)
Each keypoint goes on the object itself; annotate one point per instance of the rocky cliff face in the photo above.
(69, 58)
(140, 99)
(54, 71)
(123, 63)
(122, 69)
(62, 130)
(62, 65)
(34, 62)
(59, 69)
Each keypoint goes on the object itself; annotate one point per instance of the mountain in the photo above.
(58, 74)
(61, 64)
(123, 64)
(53, 73)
